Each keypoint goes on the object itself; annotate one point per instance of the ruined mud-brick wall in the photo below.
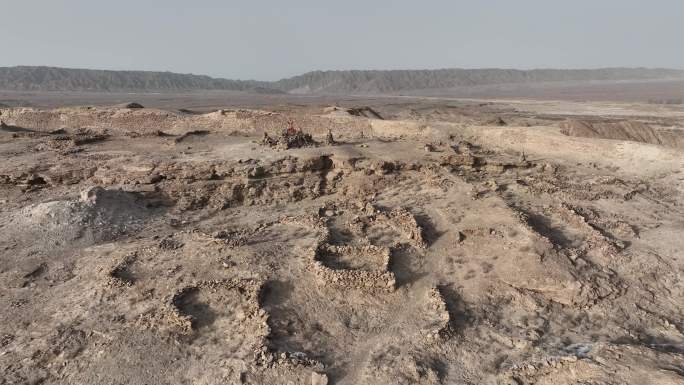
(672, 137)
(316, 125)
(255, 122)
(354, 127)
(90, 118)
(397, 128)
(635, 131)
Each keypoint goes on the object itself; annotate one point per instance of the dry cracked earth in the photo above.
(444, 244)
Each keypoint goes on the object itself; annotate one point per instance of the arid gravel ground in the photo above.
(450, 242)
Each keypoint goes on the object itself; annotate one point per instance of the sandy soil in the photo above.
(452, 242)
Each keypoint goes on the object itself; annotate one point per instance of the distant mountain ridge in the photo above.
(32, 78)
(25, 78)
(371, 82)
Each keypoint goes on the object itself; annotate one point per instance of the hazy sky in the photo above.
(270, 39)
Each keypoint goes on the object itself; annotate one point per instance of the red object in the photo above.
(291, 130)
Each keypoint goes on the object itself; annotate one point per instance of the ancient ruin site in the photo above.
(349, 240)
(309, 192)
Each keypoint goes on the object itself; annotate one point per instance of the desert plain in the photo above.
(187, 239)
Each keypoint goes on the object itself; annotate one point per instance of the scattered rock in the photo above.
(329, 140)
(92, 194)
(319, 379)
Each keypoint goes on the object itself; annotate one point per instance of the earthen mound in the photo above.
(9, 128)
(625, 130)
(131, 105)
(100, 215)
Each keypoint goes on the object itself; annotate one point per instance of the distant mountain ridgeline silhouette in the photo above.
(38, 78)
